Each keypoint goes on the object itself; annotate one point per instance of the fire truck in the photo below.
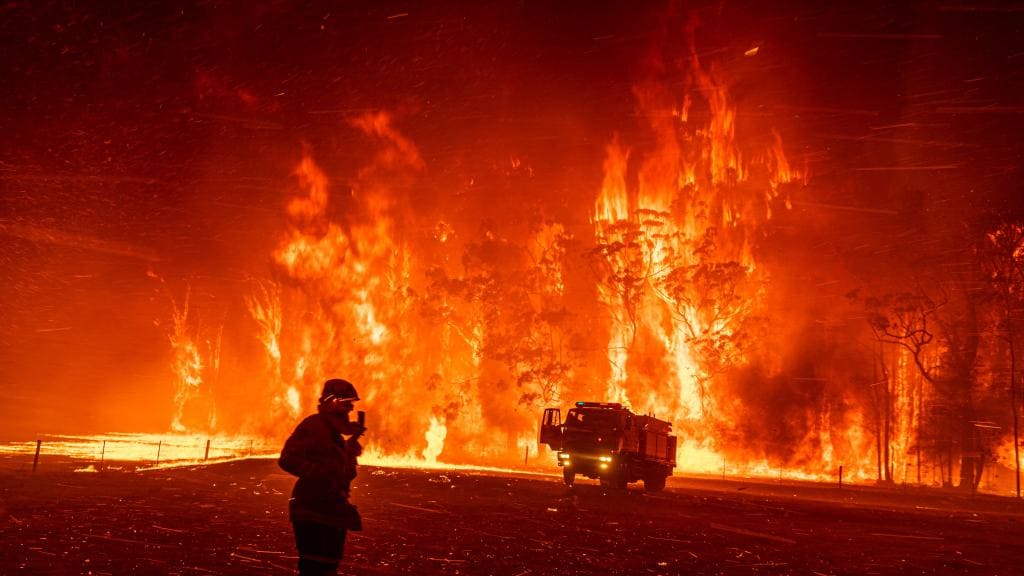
(606, 441)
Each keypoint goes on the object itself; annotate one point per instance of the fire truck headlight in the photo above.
(604, 465)
(605, 459)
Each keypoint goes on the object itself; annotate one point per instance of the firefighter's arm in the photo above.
(353, 447)
(295, 457)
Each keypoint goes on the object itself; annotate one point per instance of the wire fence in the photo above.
(142, 450)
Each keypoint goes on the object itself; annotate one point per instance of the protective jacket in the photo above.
(325, 465)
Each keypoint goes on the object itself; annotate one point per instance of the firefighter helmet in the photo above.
(338, 389)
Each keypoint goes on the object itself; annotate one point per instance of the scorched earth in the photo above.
(230, 518)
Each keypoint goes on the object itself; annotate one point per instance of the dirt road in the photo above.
(230, 519)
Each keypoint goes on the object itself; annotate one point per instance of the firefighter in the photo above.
(322, 452)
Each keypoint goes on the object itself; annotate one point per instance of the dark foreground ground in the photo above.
(230, 519)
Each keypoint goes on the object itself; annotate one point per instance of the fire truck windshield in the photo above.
(593, 419)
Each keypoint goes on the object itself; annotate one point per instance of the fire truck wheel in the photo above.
(568, 476)
(654, 482)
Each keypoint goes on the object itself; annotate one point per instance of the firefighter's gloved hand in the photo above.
(353, 429)
(353, 446)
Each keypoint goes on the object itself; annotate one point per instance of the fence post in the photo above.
(35, 462)
(840, 475)
(103, 453)
(158, 447)
(206, 456)
(526, 456)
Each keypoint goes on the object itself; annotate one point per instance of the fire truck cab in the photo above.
(607, 442)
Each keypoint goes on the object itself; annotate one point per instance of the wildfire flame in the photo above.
(679, 276)
(195, 367)
(675, 277)
(457, 330)
(473, 229)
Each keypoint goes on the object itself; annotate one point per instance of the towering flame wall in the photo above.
(776, 237)
(459, 327)
(458, 335)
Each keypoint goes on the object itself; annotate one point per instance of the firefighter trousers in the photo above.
(320, 548)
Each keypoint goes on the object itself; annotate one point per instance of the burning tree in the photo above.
(505, 303)
(711, 300)
(676, 230)
(1004, 263)
(195, 362)
(951, 333)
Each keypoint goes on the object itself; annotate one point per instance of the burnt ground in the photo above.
(230, 518)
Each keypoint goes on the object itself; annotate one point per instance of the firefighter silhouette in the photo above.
(322, 452)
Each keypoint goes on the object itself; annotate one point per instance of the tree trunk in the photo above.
(949, 449)
(878, 421)
(970, 451)
(949, 464)
(885, 426)
(888, 429)
(1015, 409)
(921, 404)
